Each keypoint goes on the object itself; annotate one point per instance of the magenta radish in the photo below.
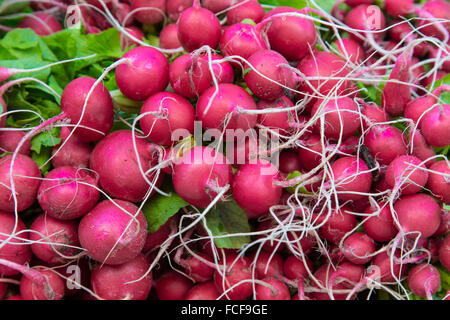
(26, 177)
(289, 162)
(189, 75)
(337, 225)
(351, 49)
(176, 7)
(341, 118)
(310, 152)
(168, 37)
(418, 213)
(163, 114)
(249, 9)
(291, 36)
(380, 225)
(149, 11)
(408, 173)
(68, 193)
(266, 264)
(222, 71)
(16, 249)
(254, 189)
(351, 177)
(368, 20)
(197, 269)
(431, 10)
(421, 149)
(385, 143)
(282, 120)
(113, 232)
(3, 287)
(149, 70)
(358, 247)
(194, 19)
(199, 174)
(354, 3)
(55, 240)
(397, 8)
(415, 108)
(216, 5)
(172, 286)
(98, 112)
(328, 66)
(272, 289)
(388, 270)
(241, 39)
(236, 269)
(243, 150)
(126, 41)
(424, 280)
(444, 253)
(156, 239)
(373, 114)
(435, 124)
(438, 184)
(128, 181)
(294, 268)
(112, 282)
(74, 153)
(224, 108)
(271, 65)
(42, 24)
(51, 286)
(121, 11)
(203, 291)
(10, 139)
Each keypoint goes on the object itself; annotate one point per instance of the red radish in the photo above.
(418, 213)
(26, 177)
(434, 9)
(273, 289)
(424, 280)
(373, 113)
(98, 113)
(310, 153)
(149, 70)
(291, 36)
(17, 249)
(236, 269)
(358, 247)
(172, 286)
(380, 226)
(351, 49)
(199, 174)
(197, 269)
(203, 291)
(77, 275)
(289, 162)
(400, 8)
(243, 150)
(150, 11)
(351, 177)
(294, 268)
(216, 5)
(55, 239)
(435, 124)
(126, 41)
(168, 37)
(402, 172)
(272, 65)
(38, 5)
(400, 29)
(122, 11)
(421, 149)
(440, 74)
(3, 287)
(121, 176)
(266, 264)
(156, 239)
(10, 139)
(193, 20)
(52, 287)
(226, 103)
(369, 20)
(176, 7)
(249, 9)
(280, 120)
(439, 184)
(444, 253)
(241, 39)
(42, 24)
(118, 282)
(113, 232)
(223, 71)
(168, 112)
(253, 187)
(74, 153)
(385, 143)
(388, 270)
(337, 225)
(190, 75)
(415, 108)
(68, 193)
(354, 3)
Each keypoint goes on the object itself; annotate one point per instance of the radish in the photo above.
(358, 247)
(388, 270)
(444, 253)
(249, 9)
(418, 213)
(380, 225)
(277, 121)
(121, 176)
(434, 9)
(74, 152)
(373, 114)
(253, 187)
(55, 240)
(241, 39)
(417, 107)
(435, 124)
(176, 7)
(243, 150)
(113, 232)
(203, 291)
(168, 37)
(236, 270)
(272, 65)
(197, 269)
(424, 280)
(221, 109)
(26, 177)
(402, 173)
(149, 70)
(10, 139)
(199, 175)
(294, 268)
(149, 11)
(310, 152)
(291, 36)
(267, 264)
(272, 289)
(438, 184)
(42, 24)
(156, 239)
(400, 8)
(49, 287)
(368, 20)
(3, 287)
(163, 114)
(118, 282)
(385, 143)
(122, 11)
(126, 41)
(17, 249)
(351, 49)
(172, 286)
(289, 162)
(421, 149)
(222, 71)
(68, 193)
(194, 19)
(77, 275)
(337, 225)
(216, 5)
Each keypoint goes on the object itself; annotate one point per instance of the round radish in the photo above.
(241, 39)
(280, 120)
(42, 24)
(337, 225)
(438, 184)
(424, 280)
(52, 289)
(368, 20)
(294, 268)
(203, 291)
(149, 11)
(380, 225)
(398, 8)
(237, 269)
(172, 286)
(176, 7)
(351, 49)
(249, 9)
(358, 247)
(267, 264)
(385, 143)
(74, 153)
(435, 124)
(276, 290)
(10, 139)
(444, 253)
(403, 171)
(168, 37)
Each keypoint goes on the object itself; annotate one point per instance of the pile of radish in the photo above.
(247, 151)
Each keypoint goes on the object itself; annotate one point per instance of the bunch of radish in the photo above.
(351, 202)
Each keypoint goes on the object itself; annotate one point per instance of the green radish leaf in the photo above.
(46, 139)
(41, 157)
(299, 4)
(291, 190)
(445, 96)
(226, 219)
